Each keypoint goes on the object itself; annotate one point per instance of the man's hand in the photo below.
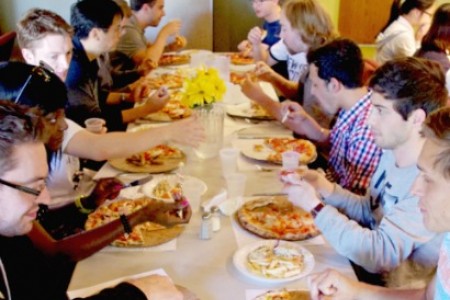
(157, 287)
(318, 180)
(171, 28)
(244, 46)
(333, 285)
(255, 36)
(264, 72)
(301, 193)
(251, 88)
(168, 214)
(188, 132)
(158, 100)
(106, 188)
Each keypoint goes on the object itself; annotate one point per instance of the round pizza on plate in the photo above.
(239, 59)
(276, 218)
(143, 235)
(271, 149)
(284, 295)
(174, 59)
(173, 110)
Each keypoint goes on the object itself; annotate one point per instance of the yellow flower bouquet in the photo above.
(204, 87)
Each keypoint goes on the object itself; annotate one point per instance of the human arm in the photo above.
(287, 88)
(122, 144)
(152, 104)
(330, 284)
(83, 244)
(157, 287)
(302, 123)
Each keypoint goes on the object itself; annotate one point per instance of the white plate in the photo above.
(173, 179)
(240, 261)
(247, 148)
(244, 110)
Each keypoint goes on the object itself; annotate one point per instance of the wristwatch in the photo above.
(317, 209)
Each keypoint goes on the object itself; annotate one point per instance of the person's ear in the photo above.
(28, 56)
(334, 85)
(94, 34)
(418, 117)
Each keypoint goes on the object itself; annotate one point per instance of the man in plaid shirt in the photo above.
(335, 71)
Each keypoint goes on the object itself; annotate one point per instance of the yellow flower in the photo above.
(204, 87)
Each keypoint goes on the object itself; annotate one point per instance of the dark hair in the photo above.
(136, 5)
(86, 15)
(412, 83)
(437, 128)
(438, 36)
(403, 7)
(341, 59)
(17, 126)
(32, 86)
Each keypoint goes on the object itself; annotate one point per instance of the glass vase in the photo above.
(212, 117)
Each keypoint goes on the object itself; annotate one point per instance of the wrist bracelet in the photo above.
(317, 209)
(80, 206)
(126, 225)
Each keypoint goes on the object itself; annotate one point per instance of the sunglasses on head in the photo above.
(41, 71)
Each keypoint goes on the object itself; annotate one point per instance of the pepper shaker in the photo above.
(206, 226)
(215, 216)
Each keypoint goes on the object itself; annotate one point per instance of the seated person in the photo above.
(335, 72)
(305, 25)
(436, 42)
(381, 228)
(432, 187)
(71, 141)
(26, 269)
(259, 40)
(399, 37)
(94, 35)
(148, 13)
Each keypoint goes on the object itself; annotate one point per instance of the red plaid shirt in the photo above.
(354, 155)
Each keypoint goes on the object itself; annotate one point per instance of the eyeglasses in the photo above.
(40, 71)
(23, 188)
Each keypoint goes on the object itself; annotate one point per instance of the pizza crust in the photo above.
(276, 218)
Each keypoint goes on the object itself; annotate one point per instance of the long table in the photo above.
(204, 266)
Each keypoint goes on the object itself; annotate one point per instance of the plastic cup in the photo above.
(290, 160)
(193, 192)
(228, 159)
(94, 125)
(222, 63)
(236, 187)
(201, 59)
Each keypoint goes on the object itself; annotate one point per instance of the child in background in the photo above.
(259, 40)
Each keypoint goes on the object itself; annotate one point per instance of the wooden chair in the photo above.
(6, 45)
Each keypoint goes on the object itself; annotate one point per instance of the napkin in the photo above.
(216, 200)
(85, 292)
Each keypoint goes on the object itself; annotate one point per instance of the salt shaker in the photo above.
(206, 226)
(215, 216)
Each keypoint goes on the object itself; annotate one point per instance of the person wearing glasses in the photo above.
(399, 37)
(260, 39)
(148, 13)
(32, 264)
(432, 188)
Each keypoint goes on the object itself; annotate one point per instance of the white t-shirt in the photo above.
(296, 63)
(60, 181)
(397, 41)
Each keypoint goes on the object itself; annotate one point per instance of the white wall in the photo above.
(195, 14)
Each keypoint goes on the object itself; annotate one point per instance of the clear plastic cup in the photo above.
(290, 160)
(94, 125)
(228, 159)
(193, 192)
(236, 187)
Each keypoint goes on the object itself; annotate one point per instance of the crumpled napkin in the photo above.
(216, 200)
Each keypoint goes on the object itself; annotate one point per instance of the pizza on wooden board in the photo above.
(284, 295)
(173, 110)
(276, 218)
(154, 156)
(112, 211)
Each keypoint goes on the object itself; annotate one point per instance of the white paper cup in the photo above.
(193, 192)
(236, 187)
(228, 160)
(222, 63)
(290, 160)
(94, 125)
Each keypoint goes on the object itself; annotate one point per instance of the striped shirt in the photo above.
(354, 155)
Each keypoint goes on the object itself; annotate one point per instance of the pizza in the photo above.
(284, 295)
(275, 261)
(306, 149)
(239, 77)
(112, 211)
(171, 81)
(154, 156)
(174, 59)
(239, 59)
(276, 218)
(167, 191)
(173, 110)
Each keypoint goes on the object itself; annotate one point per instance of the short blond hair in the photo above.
(437, 128)
(311, 20)
(37, 24)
